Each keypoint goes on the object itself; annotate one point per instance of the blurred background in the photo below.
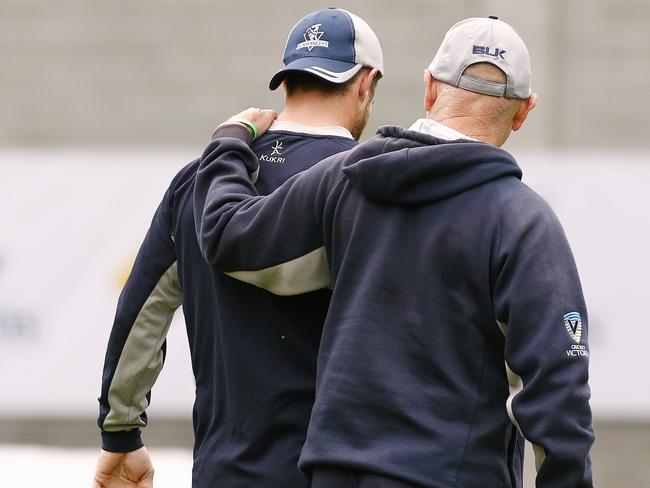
(102, 102)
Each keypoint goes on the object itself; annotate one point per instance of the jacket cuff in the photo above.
(234, 129)
(122, 441)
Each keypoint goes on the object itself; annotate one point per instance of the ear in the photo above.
(430, 90)
(523, 111)
(366, 83)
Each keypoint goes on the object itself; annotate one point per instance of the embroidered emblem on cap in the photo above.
(313, 38)
(498, 53)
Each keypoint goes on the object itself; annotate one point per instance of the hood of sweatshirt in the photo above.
(405, 167)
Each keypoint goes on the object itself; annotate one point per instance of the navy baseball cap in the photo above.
(333, 44)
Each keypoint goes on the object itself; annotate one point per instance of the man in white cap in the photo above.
(457, 325)
(253, 354)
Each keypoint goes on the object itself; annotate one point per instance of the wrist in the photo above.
(250, 126)
(234, 129)
(122, 441)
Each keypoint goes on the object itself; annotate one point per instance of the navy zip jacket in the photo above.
(457, 322)
(253, 353)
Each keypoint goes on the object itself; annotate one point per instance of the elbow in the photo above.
(207, 232)
(209, 246)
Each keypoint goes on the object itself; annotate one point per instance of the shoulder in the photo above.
(182, 178)
(520, 206)
(180, 183)
(186, 173)
(513, 193)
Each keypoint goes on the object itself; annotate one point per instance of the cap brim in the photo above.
(328, 69)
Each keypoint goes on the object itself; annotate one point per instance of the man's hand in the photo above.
(261, 119)
(124, 470)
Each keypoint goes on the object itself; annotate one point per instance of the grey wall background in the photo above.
(164, 72)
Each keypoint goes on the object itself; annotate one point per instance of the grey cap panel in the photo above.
(366, 44)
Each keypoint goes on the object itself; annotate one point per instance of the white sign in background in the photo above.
(71, 224)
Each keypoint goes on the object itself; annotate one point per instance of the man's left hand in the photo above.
(260, 118)
(124, 470)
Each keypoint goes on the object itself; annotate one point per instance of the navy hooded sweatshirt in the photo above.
(457, 322)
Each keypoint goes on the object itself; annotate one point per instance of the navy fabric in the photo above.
(253, 354)
(328, 477)
(459, 167)
(445, 267)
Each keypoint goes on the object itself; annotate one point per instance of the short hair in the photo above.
(487, 72)
(302, 81)
(498, 109)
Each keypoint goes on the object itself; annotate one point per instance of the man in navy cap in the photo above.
(457, 325)
(253, 353)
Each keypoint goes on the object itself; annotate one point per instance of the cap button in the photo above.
(493, 17)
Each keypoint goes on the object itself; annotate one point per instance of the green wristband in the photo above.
(250, 125)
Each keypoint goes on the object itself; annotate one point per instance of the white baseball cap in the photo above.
(484, 40)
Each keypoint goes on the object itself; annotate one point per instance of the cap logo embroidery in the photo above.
(313, 39)
(485, 50)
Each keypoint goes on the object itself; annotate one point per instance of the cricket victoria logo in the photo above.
(313, 39)
(573, 325)
(276, 154)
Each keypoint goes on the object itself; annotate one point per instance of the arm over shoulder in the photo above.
(274, 242)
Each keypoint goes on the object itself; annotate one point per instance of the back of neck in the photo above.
(315, 110)
(470, 126)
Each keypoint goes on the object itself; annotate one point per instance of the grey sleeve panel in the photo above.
(301, 275)
(516, 385)
(142, 357)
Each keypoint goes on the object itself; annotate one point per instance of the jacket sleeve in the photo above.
(540, 309)
(273, 242)
(136, 347)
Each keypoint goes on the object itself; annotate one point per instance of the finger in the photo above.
(249, 113)
(246, 114)
(263, 119)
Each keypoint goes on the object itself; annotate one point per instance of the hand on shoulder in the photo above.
(257, 120)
